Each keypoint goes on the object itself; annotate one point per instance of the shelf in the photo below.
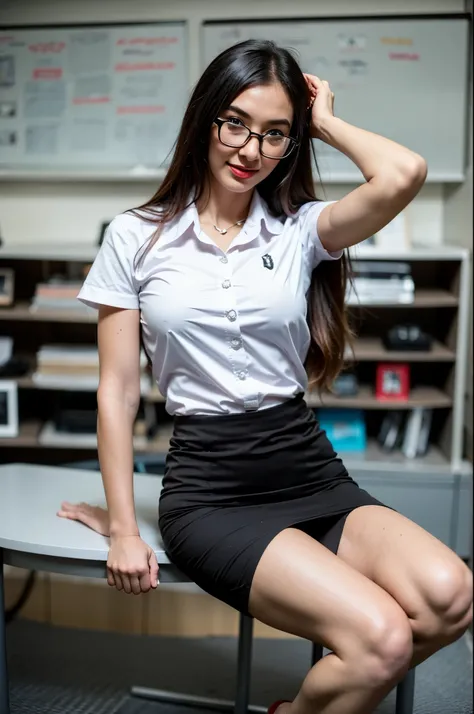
(69, 252)
(69, 385)
(442, 253)
(429, 397)
(22, 312)
(374, 458)
(29, 437)
(137, 173)
(86, 252)
(372, 349)
(423, 298)
(366, 349)
(142, 173)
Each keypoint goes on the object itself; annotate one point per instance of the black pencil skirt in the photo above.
(233, 482)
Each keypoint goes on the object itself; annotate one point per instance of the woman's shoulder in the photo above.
(132, 227)
(312, 205)
(137, 218)
(279, 218)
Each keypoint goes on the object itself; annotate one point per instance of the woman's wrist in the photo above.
(120, 530)
(322, 128)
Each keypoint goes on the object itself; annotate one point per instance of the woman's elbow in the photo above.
(412, 174)
(399, 185)
(111, 394)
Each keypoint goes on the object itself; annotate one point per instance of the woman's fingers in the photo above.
(132, 565)
(135, 584)
(66, 514)
(76, 513)
(67, 507)
(93, 517)
(153, 566)
(117, 580)
(144, 583)
(125, 581)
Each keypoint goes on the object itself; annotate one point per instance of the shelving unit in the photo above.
(438, 377)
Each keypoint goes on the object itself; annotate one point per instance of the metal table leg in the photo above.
(4, 686)
(241, 704)
(406, 694)
(244, 664)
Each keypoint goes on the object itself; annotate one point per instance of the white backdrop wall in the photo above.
(58, 212)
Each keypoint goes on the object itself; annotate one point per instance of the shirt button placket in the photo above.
(227, 293)
(238, 355)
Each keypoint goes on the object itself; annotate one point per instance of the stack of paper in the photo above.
(73, 367)
(58, 295)
(380, 282)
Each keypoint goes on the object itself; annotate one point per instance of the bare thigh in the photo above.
(421, 573)
(302, 588)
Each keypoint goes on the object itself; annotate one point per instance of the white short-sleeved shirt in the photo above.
(226, 331)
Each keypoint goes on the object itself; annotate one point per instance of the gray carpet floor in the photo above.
(62, 671)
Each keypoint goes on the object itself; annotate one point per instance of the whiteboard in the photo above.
(404, 78)
(91, 97)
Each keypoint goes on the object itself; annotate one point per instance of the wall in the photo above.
(72, 212)
(61, 212)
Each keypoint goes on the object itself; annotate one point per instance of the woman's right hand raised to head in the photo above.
(131, 564)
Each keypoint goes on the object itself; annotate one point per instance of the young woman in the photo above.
(233, 275)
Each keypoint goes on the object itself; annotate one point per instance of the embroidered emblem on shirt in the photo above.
(267, 261)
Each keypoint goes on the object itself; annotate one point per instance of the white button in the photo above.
(231, 315)
(226, 284)
(242, 375)
(224, 259)
(236, 343)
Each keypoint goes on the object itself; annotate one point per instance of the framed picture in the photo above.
(6, 286)
(8, 408)
(392, 382)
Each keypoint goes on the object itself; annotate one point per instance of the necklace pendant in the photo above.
(222, 231)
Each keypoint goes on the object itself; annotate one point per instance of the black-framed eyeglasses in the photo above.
(273, 144)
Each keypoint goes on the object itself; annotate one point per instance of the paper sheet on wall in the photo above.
(404, 78)
(99, 96)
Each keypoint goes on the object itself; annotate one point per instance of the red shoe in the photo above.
(273, 707)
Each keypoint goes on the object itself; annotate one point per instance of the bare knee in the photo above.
(387, 648)
(449, 598)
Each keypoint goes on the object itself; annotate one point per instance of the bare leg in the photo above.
(302, 588)
(427, 579)
(91, 516)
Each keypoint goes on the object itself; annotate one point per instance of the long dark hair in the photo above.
(289, 186)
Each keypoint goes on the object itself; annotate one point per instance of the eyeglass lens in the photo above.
(273, 145)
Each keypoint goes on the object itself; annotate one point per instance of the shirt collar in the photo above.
(259, 217)
(187, 218)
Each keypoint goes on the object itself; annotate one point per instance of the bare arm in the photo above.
(118, 398)
(393, 174)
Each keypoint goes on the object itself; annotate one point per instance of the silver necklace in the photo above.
(223, 231)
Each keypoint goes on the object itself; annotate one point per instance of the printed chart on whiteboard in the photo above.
(405, 78)
(91, 97)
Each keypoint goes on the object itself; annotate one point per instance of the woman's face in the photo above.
(264, 108)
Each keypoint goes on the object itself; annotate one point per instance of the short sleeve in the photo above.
(308, 216)
(111, 280)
